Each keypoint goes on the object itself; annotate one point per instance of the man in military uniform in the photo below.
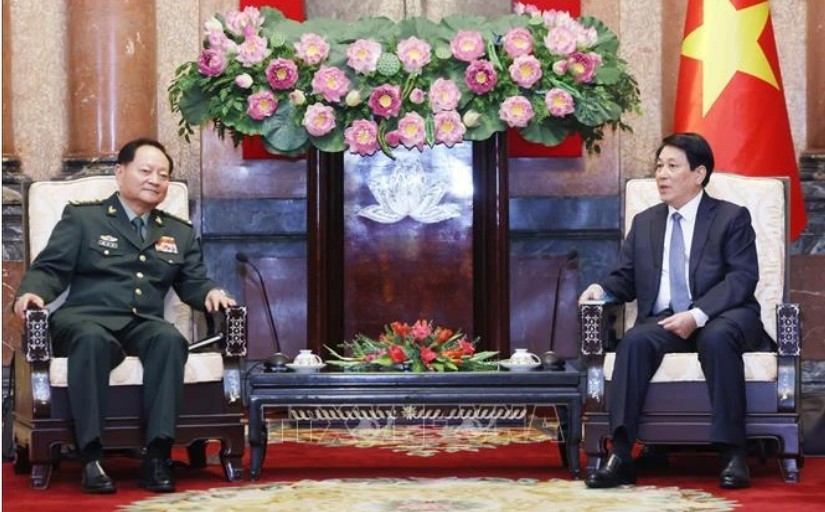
(120, 256)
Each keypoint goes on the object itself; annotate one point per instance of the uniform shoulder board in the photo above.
(175, 217)
(87, 202)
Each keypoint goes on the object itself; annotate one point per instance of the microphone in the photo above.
(277, 362)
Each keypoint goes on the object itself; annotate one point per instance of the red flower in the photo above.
(397, 354)
(466, 347)
(400, 329)
(442, 335)
(427, 355)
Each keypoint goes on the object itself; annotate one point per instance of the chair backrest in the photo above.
(766, 199)
(47, 199)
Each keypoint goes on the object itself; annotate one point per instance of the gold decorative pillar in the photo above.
(112, 79)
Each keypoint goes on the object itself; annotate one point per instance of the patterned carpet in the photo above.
(434, 495)
(426, 440)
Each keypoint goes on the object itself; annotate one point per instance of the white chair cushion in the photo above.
(200, 367)
(765, 199)
(685, 367)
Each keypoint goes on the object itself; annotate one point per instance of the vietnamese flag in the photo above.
(730, 91)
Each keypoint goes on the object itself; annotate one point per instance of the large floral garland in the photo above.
(374, 84)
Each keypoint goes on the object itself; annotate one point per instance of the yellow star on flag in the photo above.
(727, 42)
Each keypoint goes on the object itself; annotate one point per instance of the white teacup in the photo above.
(521, 356)
(306, 357)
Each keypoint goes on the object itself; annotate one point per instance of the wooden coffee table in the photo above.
(538, 387)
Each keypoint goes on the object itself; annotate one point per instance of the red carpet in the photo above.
(293, 461)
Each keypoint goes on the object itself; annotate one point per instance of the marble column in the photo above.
(13, 183)
(111, 63)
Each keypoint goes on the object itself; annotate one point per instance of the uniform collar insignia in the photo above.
(111, 211)
(158, 220)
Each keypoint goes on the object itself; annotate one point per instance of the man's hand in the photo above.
(681, 324)
(27, 301)
(593, 292)
(216, 299)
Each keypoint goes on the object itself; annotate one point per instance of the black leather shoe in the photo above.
(95, 481)
(156, 475)
(736, 474)
(613, 474)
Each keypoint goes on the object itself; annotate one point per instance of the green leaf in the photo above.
(331, 142)
(194, 105)
(281, 132)
(486, 128)
(547, 133)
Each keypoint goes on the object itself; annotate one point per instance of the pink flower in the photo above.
(297, 97)
(559, 102)
(282, 74)
(411, 131)
(520, 8)
(560, 41)
(444, 95)
(331, 82)
(449, 129)
(261, 105)
(516, 111)
(385, 100)
(252, 51)
(363, 54)
(244, 81)
(480, 76)
(467, 45)
(417, 96)
(525, 70)
(420, 330)
(211, 63)
(319, 119)
(362, 137)
(518, 41)
(560, 67)
(244, 23)
(583, 66)
(393, 138)
(312, 48)
(414, 54)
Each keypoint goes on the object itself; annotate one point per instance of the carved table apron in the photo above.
(400, 388)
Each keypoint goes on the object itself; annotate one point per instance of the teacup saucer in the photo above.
(519, 367)
(305, 368)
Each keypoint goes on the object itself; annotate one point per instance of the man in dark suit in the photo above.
(691, 264)
(119, 257)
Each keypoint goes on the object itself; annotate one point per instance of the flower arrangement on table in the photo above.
(419, 347)
(374, 84)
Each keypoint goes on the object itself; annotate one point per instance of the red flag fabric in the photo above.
(730, 91)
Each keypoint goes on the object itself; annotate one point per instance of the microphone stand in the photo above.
(278, 360)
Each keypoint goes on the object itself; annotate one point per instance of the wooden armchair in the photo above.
(677, 407)
(212, 405)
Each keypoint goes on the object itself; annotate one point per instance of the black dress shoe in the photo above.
(615, 473)
(95, 481)
(736, 474)
(156, 475)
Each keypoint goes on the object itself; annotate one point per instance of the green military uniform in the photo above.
(115, 306)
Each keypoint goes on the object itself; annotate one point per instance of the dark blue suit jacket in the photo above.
(723, 266)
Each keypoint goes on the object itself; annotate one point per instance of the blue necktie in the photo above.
(137, 222)
(679, 296)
